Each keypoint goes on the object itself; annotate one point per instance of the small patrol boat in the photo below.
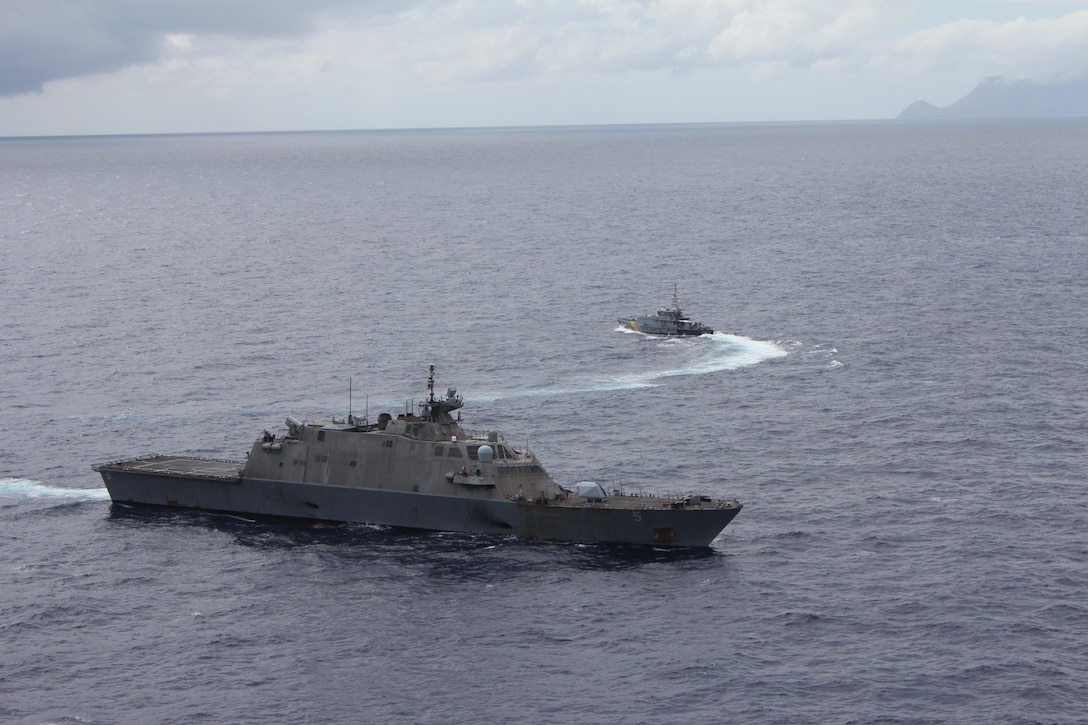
(418, 470)
(669, 321)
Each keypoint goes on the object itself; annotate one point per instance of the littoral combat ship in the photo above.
(668, 321)
(419, 470)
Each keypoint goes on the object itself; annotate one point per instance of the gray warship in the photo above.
(669, 321)
(418, 470)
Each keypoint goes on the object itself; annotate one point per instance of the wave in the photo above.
(26, 488)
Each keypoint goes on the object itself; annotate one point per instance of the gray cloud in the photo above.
(46, 40)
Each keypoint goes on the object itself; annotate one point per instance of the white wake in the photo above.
(24, 488)
(713, 353)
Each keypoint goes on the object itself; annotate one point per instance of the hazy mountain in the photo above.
(1000, 97)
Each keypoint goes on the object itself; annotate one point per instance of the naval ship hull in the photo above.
(216, 486)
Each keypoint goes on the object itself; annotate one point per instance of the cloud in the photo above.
(482, 40)
(798, 34)
(47, 40)
(434, 42)
(441, 44)
(1043, 50)
(220, 46)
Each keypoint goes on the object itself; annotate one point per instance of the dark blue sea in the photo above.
(897, 392)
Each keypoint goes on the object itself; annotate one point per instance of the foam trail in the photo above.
(724, 352)
(727, 352)
(26, 488)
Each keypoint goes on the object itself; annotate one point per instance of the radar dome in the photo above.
(485, 453)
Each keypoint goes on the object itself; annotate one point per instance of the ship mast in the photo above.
(438, 411)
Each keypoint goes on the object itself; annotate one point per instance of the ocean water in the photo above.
(896, 392)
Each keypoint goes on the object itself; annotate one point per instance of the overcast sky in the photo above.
(163, 66)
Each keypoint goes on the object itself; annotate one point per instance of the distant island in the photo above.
(1000, 97)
